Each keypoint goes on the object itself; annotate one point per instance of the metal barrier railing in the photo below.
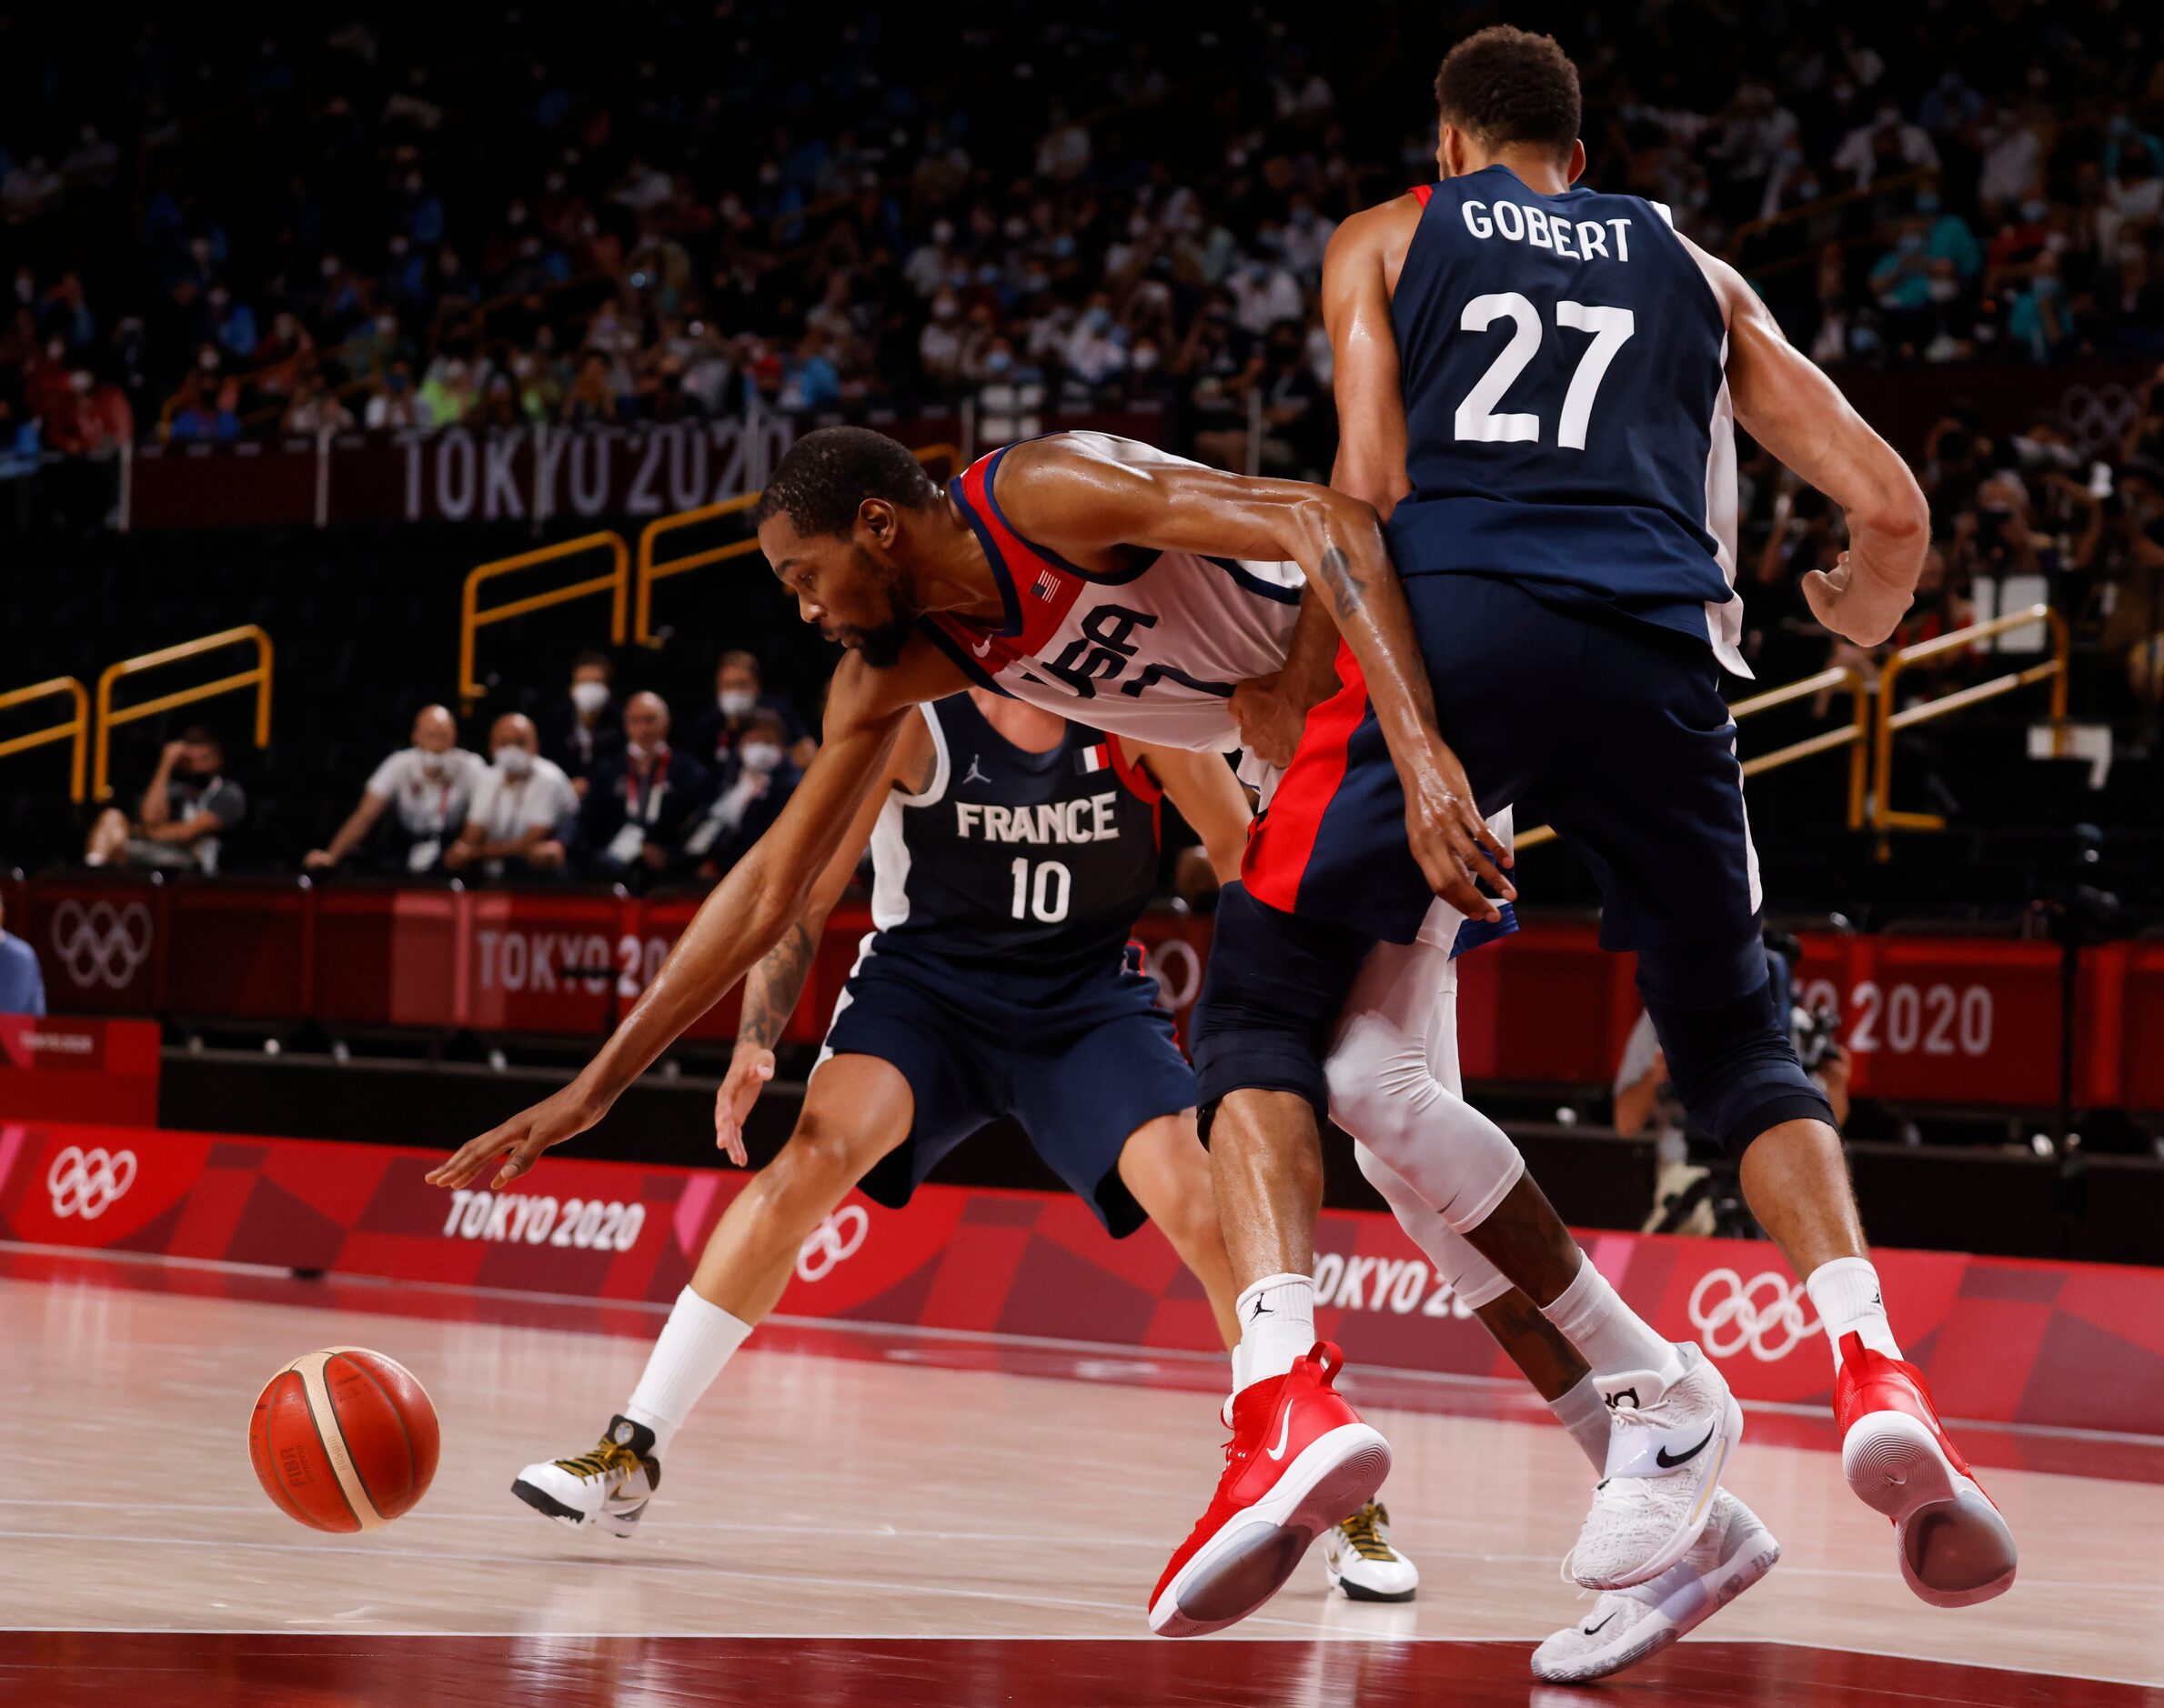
(737, 549)
(258, 678)
(1883, 814)
(472, 618)
(650, 571)
(75, 730)
(1854, 735)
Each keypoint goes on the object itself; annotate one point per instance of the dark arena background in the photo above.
(370, 377)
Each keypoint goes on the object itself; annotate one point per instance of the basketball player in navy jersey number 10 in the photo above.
(1012, 850)
(1536, 384)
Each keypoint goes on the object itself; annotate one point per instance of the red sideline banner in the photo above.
(2002, 1340)
(1964, 1021)
(59, 1069)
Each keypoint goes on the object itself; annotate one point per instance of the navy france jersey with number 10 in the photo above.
(1034, 862)
(1561, 362)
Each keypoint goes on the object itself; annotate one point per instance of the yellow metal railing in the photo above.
(2053, 668)
(258, 678)
(1855, 735)
(472, 618)
(75, 730)
(650, 571)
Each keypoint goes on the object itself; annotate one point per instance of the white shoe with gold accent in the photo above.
(1360, 1564)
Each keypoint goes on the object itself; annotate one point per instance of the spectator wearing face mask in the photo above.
(420, 795)
(582, 730)
(184, 814)
(755, 785)
(632, 825)
(523, 810)
(739, 690)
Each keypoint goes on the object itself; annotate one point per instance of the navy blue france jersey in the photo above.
(1036, 863)
(1562, 361)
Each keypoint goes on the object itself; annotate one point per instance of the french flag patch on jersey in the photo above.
(1097, 759)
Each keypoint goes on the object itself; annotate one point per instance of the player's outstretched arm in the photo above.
(1084, 503)
(742, 918)
(1785, 402)
(773, 988)
(1209, 796)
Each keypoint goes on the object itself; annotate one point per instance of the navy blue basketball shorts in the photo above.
(1080, 1064)
(1611, 729)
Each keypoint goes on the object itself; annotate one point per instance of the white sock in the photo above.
(696, 1342)
(1583, 1412)
(1277, 1325)
(1609, 1335)
(1848, 1299)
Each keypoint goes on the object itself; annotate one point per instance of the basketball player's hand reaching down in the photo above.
(521, 1140)
(1454, 847)
(750, 1069)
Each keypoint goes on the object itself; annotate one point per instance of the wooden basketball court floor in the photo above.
(898, 1517)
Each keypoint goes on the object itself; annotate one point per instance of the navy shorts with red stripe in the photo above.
(1614, 731)
(1611, 729)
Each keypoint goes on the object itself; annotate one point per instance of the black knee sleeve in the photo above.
(1724, 1028)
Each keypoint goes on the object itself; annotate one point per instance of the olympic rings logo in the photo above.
(87, 1183)
(1769, 1316)
(833, 1241)
(101, 944)
(2097, 418)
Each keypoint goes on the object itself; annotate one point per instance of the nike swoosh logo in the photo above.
(982, 649)
(1285, 1431)
(1666, 1464)
(1595, 1630)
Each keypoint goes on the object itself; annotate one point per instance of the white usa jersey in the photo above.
(1152, 652)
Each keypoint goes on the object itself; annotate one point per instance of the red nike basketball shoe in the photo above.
(1299, 1461)
(1954, 1548)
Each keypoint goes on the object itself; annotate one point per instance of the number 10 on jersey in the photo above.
(1043, 897)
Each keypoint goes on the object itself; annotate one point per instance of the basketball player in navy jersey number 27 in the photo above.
(1536, 384)
(1081, 573)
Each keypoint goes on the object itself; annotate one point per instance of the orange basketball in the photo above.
(344, 1440)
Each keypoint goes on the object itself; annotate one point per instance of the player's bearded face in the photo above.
(881, 610)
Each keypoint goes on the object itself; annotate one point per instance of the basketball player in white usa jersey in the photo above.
(1083, 573)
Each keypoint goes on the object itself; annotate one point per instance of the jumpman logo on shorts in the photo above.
(975, 774)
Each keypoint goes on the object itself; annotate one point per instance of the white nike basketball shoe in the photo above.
(1625, 1626)
(1667, 1451)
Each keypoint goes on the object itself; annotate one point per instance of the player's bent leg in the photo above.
(1398, 1027)
(856, 1110)
(1165, 1168)
(1729, 1055)
(1300, 1460)
(1623, 1627)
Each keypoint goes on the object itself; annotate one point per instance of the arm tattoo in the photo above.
(1346, 591)
(771, 991)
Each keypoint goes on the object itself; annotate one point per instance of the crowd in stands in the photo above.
(378, 226)
(593, 792)
(525, 219)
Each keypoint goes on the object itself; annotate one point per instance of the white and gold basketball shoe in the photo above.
(1360, 1564)
(608, 1487)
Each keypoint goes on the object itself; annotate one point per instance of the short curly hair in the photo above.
(1506, 85)
(827, 474)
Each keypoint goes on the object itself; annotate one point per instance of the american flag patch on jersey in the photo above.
(1048, 586)
(1096, 759)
